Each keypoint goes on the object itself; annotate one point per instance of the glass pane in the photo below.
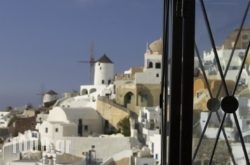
(221, 90)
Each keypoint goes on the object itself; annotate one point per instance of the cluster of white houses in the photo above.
(81, 120)
(85, 122)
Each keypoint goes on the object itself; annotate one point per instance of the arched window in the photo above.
(128, 98)
(144, 99)
(150, 65)
(84, 92)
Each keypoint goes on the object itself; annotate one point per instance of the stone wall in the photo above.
(142, 95)
(110, 111)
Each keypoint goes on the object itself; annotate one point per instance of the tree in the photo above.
(124, 126)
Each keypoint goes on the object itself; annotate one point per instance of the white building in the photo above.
(49, 98)
(40, 118)
(150, 73)
(76, 102)
(154, 145)
(144, 157)
(106, 147)
(152, 65)
(103, 81)
(104, 71)
(243, 116)
(23, 142)
(238, 153)
(4, 119)
(213, 125)
(149, 119)
(64, 122)
(211, 68)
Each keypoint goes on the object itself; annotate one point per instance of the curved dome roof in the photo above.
(156, 46)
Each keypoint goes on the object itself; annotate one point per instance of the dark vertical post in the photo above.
(187, 81)
(164, 82)
(176, 72)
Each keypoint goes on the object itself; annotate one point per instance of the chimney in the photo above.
(49, 158)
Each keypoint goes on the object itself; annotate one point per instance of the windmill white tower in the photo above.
(103, 71)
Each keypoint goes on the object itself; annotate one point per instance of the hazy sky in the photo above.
(42, 40)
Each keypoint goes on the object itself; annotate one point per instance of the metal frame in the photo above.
(179, 19)
(179, 43)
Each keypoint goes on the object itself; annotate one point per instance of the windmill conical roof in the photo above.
(104, 59)
(51, 92)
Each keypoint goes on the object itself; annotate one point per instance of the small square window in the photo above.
(158, 65)
(56, 129)
(34, 134)
(46, 130)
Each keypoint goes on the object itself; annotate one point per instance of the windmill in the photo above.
(91, 63)
(41, 93)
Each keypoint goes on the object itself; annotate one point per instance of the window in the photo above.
(46, 130)
(56, 129)
(150, 65)
(79, 129)
(157, 75)
(244, 36)
(34, 134)
(158, 65)
(86, 128)
(144, 98)
(103, 81)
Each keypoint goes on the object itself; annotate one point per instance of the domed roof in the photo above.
(156, 46)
